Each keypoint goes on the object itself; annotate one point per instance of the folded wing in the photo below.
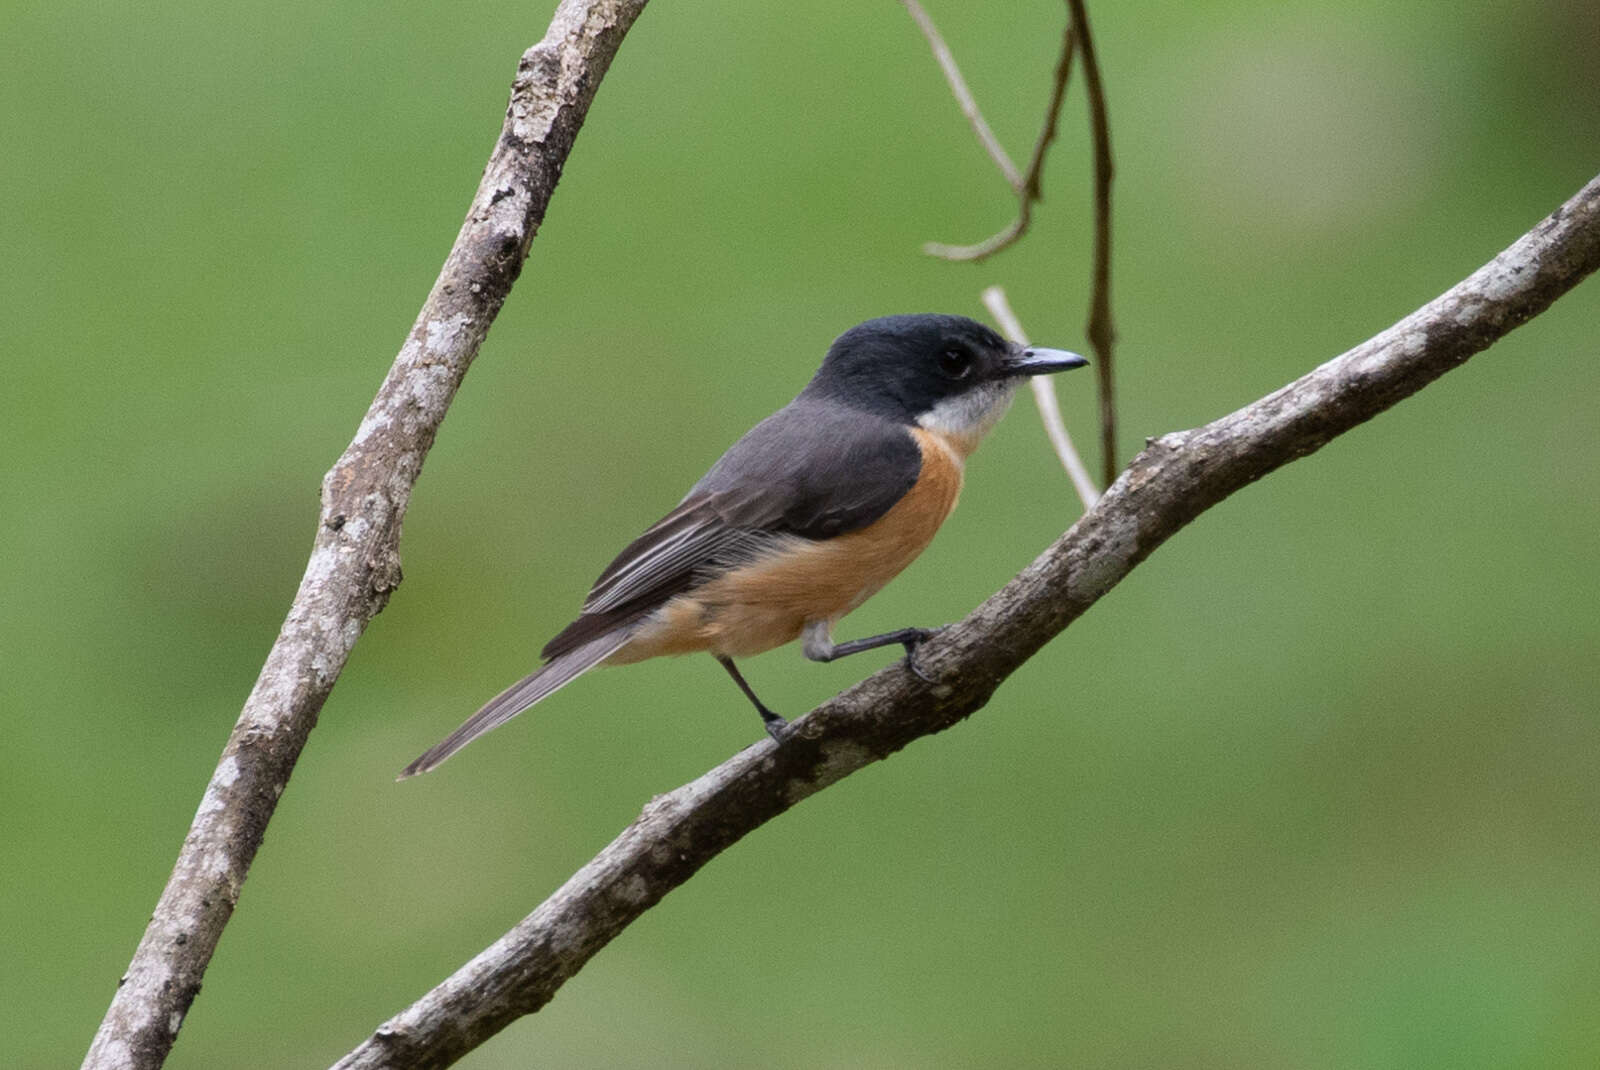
(808, 471)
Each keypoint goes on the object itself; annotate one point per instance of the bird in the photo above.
(803, 519)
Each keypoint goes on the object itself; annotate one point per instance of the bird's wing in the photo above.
(808, 471)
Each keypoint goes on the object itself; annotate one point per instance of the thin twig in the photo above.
(355, 560)
(1101, 330)
(1044, 396)
(1052, 114)
(1175, 479)
(1025, 186)
(990, 245)
(963, 95)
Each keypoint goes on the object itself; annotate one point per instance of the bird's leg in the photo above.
(818, 644)
(775, 725)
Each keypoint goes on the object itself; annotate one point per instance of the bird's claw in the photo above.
(923, 635)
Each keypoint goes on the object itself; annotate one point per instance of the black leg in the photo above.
(906, 637)
(775, 725)
(820, 647)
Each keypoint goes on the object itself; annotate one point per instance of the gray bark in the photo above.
(355, 560)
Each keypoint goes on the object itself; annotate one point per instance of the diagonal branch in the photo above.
(1101, 331)
(355, 560)
(1175, 479)
(1026, 184)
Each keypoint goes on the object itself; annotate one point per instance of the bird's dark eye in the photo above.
(955, 363)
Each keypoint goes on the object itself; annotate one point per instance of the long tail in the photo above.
(553, 675)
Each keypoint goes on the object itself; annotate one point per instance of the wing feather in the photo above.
(809, 470)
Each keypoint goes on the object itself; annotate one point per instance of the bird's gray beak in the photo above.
(1037, 360)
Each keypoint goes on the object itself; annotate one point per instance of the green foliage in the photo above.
(1316, 787)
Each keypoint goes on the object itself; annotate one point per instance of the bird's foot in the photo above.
(776, 726)
(922, 635)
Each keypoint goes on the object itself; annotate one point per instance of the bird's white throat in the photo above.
(970, 415)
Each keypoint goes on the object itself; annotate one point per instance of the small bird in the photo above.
(806, 517)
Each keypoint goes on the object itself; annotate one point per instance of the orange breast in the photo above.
(768, 602)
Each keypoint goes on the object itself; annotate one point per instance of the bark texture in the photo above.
(355, 560)
(1176, 478)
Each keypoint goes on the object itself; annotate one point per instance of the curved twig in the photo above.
(1025, 185)
(1176, 478)
(355, 560)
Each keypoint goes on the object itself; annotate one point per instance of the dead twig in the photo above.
(963, 95)
(1044, 396)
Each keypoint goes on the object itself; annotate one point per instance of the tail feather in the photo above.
(553, 675)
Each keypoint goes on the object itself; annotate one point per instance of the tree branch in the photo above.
(355, 559)
(1174, 480)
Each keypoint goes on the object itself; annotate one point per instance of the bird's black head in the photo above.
(916, 369)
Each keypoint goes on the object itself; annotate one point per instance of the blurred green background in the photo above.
(1318, 786)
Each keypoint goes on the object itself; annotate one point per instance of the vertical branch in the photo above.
(1101, 330)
